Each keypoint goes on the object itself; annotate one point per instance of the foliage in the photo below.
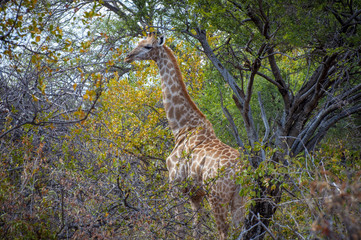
(84, 138)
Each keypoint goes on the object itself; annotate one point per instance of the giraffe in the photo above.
(198, 154)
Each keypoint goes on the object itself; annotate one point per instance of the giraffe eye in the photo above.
(148, 47)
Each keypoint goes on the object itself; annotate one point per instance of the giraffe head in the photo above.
(145, 49)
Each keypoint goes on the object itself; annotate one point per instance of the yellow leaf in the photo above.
(33, 59)
(37, 39)
(74, 86)
(42, 89)
(35, 98)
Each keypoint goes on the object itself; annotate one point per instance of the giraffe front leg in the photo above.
(177, 196)
(196, 203)
(237, 208)
(179, 216)
(178, 170)
(220, 212)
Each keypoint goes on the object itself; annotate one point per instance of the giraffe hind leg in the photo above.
(176, 194)
(220, 212)
(237, 208)
(196, 196)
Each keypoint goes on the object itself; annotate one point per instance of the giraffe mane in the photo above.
(180, 77)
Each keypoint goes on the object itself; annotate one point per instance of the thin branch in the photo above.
(34, 123)
(231, 122)
(201, 36)
(347, 23)
(323, 128)
(255, 67)
(15, 22)
(283, 89)
(264, 119)
(337, 16)
(311, 127)
(269, 79)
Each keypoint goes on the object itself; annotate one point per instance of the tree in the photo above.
(49, 81)
(83, 139)
(319, 86)
(80, 136)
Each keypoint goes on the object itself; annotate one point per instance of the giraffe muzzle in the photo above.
(130, 57)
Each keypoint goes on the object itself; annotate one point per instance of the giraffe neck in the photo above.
(181, 111)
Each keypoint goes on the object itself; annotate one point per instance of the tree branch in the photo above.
(201, 36)
(283, 89)
(325, 126)
(42, 123)
(264, 119)
(231, 122)
(269, 79)
(2, 38)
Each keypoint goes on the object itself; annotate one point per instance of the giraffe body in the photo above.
(198, 154)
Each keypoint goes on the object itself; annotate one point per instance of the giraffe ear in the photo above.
(161, 40)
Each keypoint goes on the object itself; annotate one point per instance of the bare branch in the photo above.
(231, 122)
(201, 36)
(283, 89)
(326, 125)
(269, 79)
(264, 119)
(255, 67)
(3, 37)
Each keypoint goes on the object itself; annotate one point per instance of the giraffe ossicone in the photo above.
(198, 154)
